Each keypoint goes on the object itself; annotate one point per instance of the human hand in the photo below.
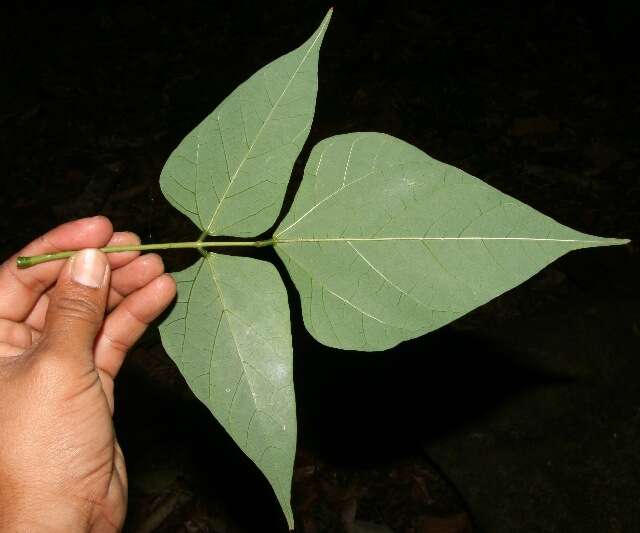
(65, 328)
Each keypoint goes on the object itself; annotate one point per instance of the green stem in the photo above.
(26, 262)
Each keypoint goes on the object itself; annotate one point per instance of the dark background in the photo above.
(522, 416)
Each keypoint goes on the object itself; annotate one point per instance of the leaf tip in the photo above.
(609, 241)
(327, 18)
(616, 242)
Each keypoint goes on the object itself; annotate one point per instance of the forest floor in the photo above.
(522, 416)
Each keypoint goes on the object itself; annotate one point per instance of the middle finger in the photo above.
(133, 276)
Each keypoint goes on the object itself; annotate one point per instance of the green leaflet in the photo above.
(385, 243)
(230, 336)
(229, 332)
(229, 175)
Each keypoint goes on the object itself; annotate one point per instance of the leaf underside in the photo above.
(385, 243)
(229, 175)
(230, 336)
(229, 332)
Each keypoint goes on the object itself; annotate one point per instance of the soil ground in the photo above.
(522, 416)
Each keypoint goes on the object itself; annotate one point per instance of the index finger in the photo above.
(21, 289)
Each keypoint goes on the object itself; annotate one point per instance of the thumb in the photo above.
(78, 302)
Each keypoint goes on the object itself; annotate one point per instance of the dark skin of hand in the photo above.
(65, 329)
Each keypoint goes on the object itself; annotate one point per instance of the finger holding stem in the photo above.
(29, 261)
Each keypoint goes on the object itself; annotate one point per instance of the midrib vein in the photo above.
(260, 130)
(478, 238)
(225, 313)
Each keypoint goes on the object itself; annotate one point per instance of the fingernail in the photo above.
(89, 268)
